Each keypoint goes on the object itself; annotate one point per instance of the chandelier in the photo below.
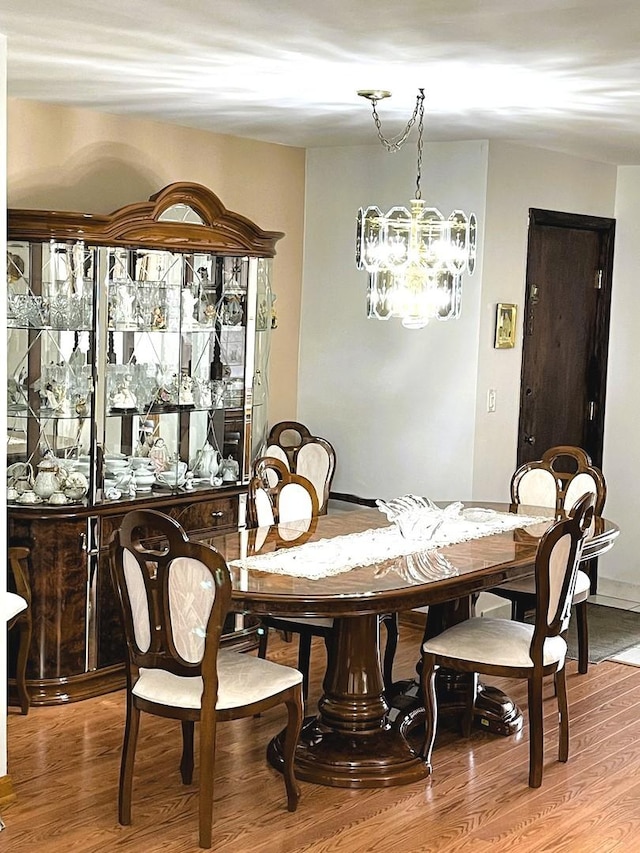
(415, 258)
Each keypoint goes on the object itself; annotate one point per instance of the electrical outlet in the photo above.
(491, 400)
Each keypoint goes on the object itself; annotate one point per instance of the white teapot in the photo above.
(208, 460)
(47, 481)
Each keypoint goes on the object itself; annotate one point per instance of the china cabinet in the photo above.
(138, 346)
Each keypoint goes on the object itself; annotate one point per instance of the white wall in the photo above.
(399, 405)
(619, 570)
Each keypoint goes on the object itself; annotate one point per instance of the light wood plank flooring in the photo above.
(64, 766)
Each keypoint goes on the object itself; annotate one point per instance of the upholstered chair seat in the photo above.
(500, 641)
(242, 680)
(581, 592)
(10, 605)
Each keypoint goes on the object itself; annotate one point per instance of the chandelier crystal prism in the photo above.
(415, 257)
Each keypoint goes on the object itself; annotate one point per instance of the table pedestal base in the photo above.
(371, 760)
(494, 710)
(350, 743)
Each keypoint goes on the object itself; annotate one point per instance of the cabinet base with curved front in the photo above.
(77, 648)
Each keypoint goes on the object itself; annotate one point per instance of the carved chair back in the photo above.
(556, 567)
(305, 454)
(174, 596)
(277, 496)
(557, 481)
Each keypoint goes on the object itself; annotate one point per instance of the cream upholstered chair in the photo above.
(305, 454)
(514, 649)
(556, 481)
(17, 604)
(276, 496)
(174, 596)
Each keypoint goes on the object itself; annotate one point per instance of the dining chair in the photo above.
(510, 649)
(305, 454)
(556, 481)
(174, 595)
(279, 497)
(20, 617)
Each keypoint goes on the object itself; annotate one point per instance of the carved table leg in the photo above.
(351, 744)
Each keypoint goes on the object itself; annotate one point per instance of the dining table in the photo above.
(354, 566)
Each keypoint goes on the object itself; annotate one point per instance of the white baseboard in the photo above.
(618, 589)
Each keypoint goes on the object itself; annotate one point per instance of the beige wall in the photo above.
(76, 159)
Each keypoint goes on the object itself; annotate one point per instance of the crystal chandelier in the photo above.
(415, 258)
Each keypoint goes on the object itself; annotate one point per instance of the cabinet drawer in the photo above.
(216, 514)
(207, 515)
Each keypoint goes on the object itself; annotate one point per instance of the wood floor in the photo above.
(64, 765)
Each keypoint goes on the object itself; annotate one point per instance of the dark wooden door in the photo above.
(566, 333)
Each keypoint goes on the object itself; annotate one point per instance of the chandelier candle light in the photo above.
(415, 258)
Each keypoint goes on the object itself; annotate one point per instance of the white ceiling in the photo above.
(561, 74)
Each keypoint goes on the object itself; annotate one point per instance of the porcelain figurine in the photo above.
(230, 470)
(123, 397)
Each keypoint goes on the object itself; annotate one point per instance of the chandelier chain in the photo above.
(396, 142)
(420, 144)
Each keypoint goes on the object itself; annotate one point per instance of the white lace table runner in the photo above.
(326, 557)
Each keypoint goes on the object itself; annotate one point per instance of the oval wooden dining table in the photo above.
(351, 742)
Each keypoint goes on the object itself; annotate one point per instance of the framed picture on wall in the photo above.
(505, 325)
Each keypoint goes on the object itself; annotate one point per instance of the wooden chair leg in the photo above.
(304, 658)
(186, 762)
(536, 732)
(467, 718)
(520, 609)
(583, 637)
(295, 712)
(207, 766)
(390, 621)
(126, 763)
(21, 665)
(263, 639)
(428, 685)
(563, 713)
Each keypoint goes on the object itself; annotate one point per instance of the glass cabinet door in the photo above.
(174, 384)
(51, 357)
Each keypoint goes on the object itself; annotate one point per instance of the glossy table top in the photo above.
(388, 585)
